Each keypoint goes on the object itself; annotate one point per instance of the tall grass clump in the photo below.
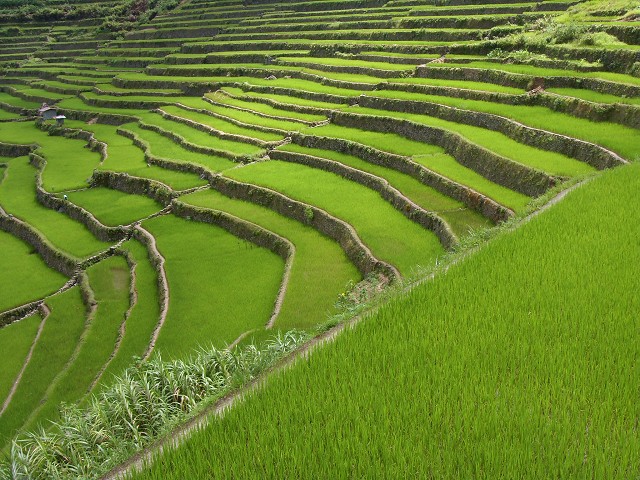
(141, 404)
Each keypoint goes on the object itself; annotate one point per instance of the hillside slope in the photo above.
(520, 362)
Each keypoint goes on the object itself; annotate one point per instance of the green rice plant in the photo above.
(448, 166)
(220, 286)
(222, 125)
(77, 104)
(71, 88)
(17, 102)
(109, 280)
(4, 115)
(112, 207)
(115, 99)
(141, 404)
(515, 368)
(266, 110)
(161, 146)
(39, 94)
(387, 142)
(16, 339)
(143, 317)
(320, 269)
(459, 218)
(29, 279)
(61, 332)
(284, 99)
(431, 156)
(462, 84)
(107, 87)
(592, 96)
(18, 197)
(69, 163)
(545, 72)
(622, 140)
(551, 162)
(124, 156)
(390, 236)
(197, 137)
(346, 62)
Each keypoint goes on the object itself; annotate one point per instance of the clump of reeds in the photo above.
(140, 405)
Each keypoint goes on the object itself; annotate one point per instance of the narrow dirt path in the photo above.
(44, 311)
(164, 287)
(242, 336)
(284, 285)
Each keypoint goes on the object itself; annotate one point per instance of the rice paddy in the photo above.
(207, 174)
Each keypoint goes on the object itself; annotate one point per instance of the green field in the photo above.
(543, 368)
(31, 279)
(212, 183)
(205, 311)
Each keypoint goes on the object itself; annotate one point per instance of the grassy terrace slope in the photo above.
(487, 386)
(228, 169)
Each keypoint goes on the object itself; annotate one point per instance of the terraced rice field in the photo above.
(228, 169)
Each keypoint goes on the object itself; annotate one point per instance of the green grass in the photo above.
(69, 163)
(220, 286)
(15, 340)
(516, 363)
(112, 207)
(388, 234)
(460, 218)
(18, 197)
(109, 279)
(26, 277)
(58, 340)
(320, 270)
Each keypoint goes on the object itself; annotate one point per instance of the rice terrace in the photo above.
(319, 239)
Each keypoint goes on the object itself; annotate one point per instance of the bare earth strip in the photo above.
(44, 310)
(164, 308)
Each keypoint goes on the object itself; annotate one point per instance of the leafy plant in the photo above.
(140, 405)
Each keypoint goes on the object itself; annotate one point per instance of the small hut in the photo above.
(46, 112)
